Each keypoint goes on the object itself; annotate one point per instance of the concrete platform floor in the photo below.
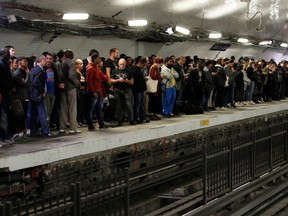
(39, 151)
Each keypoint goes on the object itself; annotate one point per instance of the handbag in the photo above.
(151, 85)
(16, 106)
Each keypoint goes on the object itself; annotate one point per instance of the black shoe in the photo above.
(91, 129)
(132, 123)
(103, 126)
(48, 135)
(146, 120)
(120, 123)
(138, 121)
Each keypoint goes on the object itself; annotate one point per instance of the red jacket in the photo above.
(93, 78)
(104, 79)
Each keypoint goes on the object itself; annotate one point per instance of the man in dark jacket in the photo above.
(21, 79)
(179, 68)
(139, 88)
(5, 89)
(68, 97)
(36, 106)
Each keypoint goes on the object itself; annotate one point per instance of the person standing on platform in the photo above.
(139, 88)
(11, 50)
(122, 80)
(87, 60)
(36, 106)
(155, 99)
(168, 75)
(5, 89)
(22, 84)
(13, 64)
(220, 80)
(209, 85)
(50, 72)
(81, 93)
(111, 63)
(179, 68)
(68, 97)
(95, 97)
(230, 89)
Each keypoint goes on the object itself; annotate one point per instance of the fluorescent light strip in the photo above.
(137, 22)
(265, 42)
(182, 30)
(284, 45)
(75, 16)
(215, 35)
(242, 40)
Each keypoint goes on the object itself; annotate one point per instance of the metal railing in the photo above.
(232, 162)
(108, 197)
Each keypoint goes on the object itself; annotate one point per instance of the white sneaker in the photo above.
(62, 130)
(28, 132)
(251, 102)
(9, 141)
(74, 132)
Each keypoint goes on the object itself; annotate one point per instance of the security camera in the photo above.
(259, 28)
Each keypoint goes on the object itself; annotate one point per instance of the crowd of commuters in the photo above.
(54, 90)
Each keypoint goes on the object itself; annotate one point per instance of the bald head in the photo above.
(122, 63)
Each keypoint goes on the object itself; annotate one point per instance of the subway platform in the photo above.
(41, 151)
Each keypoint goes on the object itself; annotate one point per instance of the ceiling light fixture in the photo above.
(170, 31)
(215, 35)
(242, 40)
(75, 16)
(182, 30)
(268, 42)
(136, 22)
(284, 45)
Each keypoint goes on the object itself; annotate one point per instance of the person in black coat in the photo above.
(5, 89)
(21, 78)
(139, 88)
(239, 81)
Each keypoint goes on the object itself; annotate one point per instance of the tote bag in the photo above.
(151, 85)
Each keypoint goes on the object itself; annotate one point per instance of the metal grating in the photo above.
(243, 157)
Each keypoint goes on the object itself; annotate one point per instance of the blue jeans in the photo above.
(139, 109)
(37, 111)
(250, 89)
(94, 104)
(168, 101)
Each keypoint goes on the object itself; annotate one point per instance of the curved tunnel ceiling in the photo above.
(233, 18)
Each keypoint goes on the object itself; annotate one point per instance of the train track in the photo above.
(272, 199)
